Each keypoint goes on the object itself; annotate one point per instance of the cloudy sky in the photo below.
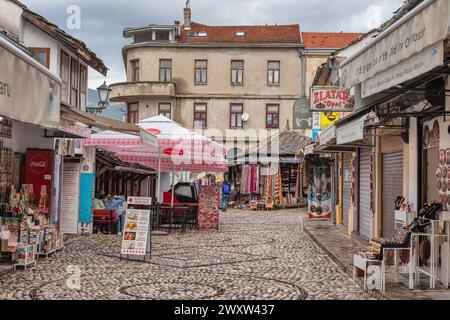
(102, 21)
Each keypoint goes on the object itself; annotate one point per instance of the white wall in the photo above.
(165, 183)
(33, 37)
(10, 17)
(28, 136)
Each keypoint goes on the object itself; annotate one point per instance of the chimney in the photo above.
(187, 16)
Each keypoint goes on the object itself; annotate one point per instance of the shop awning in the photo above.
(409, 48)
(309, 149)
(75, 115)
(29, 93)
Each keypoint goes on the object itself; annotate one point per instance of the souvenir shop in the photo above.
(409, 122)
(277, 185)
(275, 182)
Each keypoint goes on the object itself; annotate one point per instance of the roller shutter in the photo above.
(365, 213)
(392, 187)
(346, 194)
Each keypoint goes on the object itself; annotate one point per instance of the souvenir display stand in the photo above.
(25, 256)
(414, 236)
(25, 230)
(435, 237)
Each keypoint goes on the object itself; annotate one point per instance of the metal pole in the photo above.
(173, 186)
(173, 191)
(158, 193)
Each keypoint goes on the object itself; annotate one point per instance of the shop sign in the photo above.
(319, 194)
(70, 198)
(331, 99)
(75, 129)
(316, 134)
(136, 231)
(141, 201)
(395, 55)
(24, 83)
(302, 115)
(149, 138)
(327, 135)
(350, 132)
(208, 207)
(413, 67)
(327, 119)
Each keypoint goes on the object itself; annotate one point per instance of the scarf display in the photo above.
(250, 179)
(278, 195)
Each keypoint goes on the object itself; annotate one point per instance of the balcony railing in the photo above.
(126, 91)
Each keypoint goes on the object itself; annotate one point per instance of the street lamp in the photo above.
(103, 94)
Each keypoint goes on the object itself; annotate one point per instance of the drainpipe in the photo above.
(303, 73)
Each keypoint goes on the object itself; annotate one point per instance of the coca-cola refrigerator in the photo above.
(38, 172)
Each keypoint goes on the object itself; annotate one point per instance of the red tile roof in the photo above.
(329, 40)
(287, 34)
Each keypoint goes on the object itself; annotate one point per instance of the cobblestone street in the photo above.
(255, 255)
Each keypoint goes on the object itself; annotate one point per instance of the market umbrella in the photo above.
(164, 146)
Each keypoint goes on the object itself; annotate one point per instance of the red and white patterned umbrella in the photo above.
(179, 149)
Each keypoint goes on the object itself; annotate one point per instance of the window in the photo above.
(273, 73)
(83, 87)
(236, 111)
(194, 34)
(237, 72)
(240, 33)
(165, 70)
(165, 109)
(41, 55)
(272, 116)
(200, 116)
(201, 71)
(74, 83)
(65, 77)
(134, 70)
(133, 112)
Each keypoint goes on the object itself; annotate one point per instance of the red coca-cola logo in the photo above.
(154, 131)
(38, 164)
(173, 152)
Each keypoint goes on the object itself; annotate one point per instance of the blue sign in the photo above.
(316, 133)
(86, 193)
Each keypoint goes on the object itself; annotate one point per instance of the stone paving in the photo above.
(342, 247)
(254, 255)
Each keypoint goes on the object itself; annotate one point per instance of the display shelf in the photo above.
(416, 270)
(25, 256)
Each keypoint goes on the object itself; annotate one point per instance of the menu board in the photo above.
(208, 207)
(135, 233)
(70, 198)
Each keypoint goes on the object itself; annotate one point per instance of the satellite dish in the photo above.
(245, 117)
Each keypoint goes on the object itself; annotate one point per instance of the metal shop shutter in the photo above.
(346, 194)
(365, 213)
(392, 187)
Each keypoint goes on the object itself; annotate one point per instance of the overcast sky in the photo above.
(102, 21)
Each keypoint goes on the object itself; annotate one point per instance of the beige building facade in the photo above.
(236, 84)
